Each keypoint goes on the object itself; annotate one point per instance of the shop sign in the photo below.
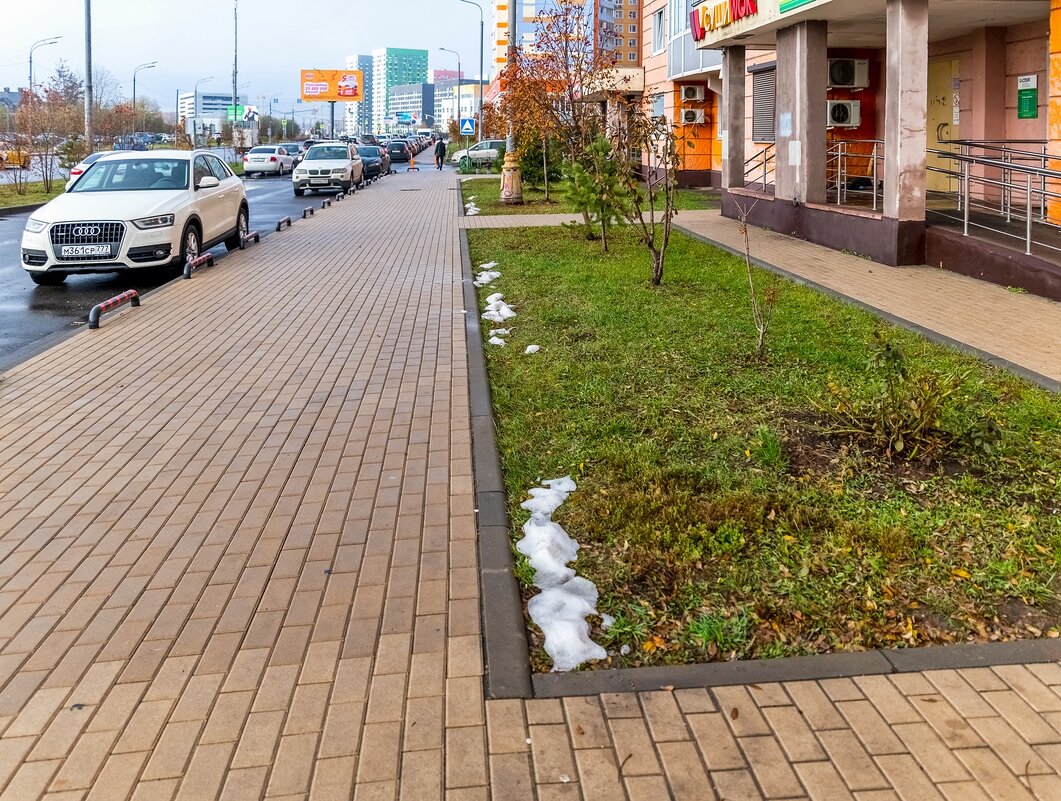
(711, 16)
(1027, 97)
(792, 5)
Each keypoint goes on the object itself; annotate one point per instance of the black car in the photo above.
(376, 161)
(398, 150)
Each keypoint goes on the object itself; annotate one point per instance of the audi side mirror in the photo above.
(207, 182)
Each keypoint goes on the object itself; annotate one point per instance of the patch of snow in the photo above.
(499, 332)
(566, 600)
(624, 650)
(488, 266)
(494, 298)
(496, 341)
(501, 309)
(532, 349)
(606, 621)
(493, 317)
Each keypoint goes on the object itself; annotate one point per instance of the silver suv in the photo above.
(329, 165)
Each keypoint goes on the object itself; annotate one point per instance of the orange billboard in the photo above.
(344, 86)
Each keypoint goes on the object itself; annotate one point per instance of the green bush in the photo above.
(531, 166)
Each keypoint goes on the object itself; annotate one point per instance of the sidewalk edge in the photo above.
(507, 671)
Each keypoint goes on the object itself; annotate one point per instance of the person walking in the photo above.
(440, 153)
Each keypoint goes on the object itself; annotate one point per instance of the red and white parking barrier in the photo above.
(130, 296)
(250, 236)
(326, 203)
(190, 266)
(281, 222)
(307, 212)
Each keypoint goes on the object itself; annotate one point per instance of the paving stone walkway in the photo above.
(238, 562)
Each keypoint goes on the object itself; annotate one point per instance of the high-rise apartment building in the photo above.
(359, 115)
(616, 27)
(393, 66)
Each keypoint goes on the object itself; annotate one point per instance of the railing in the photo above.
(1000, 193)
(1028, 153)
(760, 167)
(851, 164)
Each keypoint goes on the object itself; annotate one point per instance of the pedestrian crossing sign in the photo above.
(467, 126)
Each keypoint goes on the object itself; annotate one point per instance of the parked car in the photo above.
(294, 150)
(398, 150)
(330, 165)
(267, 159)
(369, 139)
(78, 169)
(376, 161)
(136, 210)
(479, 154)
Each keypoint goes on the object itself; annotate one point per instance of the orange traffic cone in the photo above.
(412, 163)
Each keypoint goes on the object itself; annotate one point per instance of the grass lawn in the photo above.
(34, 194)
(719, 514)
(487, 194)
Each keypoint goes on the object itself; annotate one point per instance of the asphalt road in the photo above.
(28, 312)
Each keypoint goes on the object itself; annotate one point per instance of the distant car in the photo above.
(136, 210)
(294, 150)
(265, 159)
(84, 164)
(398, 150)
(369, 139)
(330, 165)
(377, 162)
(479, 154)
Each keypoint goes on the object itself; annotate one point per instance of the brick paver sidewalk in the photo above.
(239, 562)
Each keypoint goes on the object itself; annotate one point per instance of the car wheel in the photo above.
(346, 187)
(190, 244)
(47, 278)
(242, 226)
(299, 192)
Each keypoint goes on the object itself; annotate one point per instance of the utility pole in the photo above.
(89, 101)
(235, 67)
(471, 3)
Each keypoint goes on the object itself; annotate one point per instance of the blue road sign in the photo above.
(467, 126)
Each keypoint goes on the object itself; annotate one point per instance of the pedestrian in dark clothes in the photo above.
(440, 153)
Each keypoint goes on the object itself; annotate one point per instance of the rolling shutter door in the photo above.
(764, 87)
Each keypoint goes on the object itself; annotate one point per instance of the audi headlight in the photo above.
(35, 226)
(158, 221)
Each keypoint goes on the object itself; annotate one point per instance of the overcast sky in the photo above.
(191, 39)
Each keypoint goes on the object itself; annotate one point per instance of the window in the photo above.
(632, 14)
(631, 28)
(659, 35)
(631, 42)
(618, 28)
(219, 170)
(657, 106)
(764, 87)
(631, 56)
(677, 21)
(200, 169)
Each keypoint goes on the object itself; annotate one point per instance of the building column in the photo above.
(1053, 109)
(906, 110)
(799, 128)
(731, 116)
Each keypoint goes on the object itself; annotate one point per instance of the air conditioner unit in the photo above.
(692, 116)
(848, 73)
(844, 114)
(692, 93)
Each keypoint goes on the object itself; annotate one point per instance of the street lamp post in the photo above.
(89, 100)
(458, 94)
(235, 68)
(472, 3)
(40, 43)
(511, 180)
(149, 65)
(195, 105)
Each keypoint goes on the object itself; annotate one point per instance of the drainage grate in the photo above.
(408, 190)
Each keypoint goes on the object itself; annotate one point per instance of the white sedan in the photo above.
(268, 159)
(133, 210)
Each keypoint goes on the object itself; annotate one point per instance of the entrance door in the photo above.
(943, 87)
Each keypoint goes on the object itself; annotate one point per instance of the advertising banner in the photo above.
(344, 86)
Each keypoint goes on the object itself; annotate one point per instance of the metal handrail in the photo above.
(840, 155)
(1035, 187)
(761, 162)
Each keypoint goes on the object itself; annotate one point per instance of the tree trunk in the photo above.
(657, 267)
(545, 166)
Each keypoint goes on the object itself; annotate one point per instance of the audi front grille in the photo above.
(87, 233)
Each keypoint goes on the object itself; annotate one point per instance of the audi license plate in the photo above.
(318, 180)
(85, 250)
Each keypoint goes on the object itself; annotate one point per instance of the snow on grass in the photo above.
(566, 600)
